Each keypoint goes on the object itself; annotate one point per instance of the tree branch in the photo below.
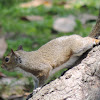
(96, 29)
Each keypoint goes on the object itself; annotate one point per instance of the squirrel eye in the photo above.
(6, 59)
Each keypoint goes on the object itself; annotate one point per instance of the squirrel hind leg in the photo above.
(36, 82)
(86, 44)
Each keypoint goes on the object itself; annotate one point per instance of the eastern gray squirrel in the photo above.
(55, 55)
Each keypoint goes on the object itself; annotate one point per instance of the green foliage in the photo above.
(14, 74)
(9, 3)
(88, 3)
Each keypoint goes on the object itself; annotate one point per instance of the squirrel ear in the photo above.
(13, 53)
(20, 47)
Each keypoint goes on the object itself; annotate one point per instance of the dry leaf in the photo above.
(32, 18)
(26, 94)
(86, 17)
(36, 3)
(3, 46)
(66, 24)
(69, 4)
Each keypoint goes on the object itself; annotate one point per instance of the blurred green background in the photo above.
(33, 34)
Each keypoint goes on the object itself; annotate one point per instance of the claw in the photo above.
(97, 42)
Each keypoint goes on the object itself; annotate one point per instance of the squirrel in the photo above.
(55, 55)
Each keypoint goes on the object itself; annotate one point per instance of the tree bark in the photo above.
(82, 82)
(95, 33)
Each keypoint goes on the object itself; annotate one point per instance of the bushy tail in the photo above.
(96, 29)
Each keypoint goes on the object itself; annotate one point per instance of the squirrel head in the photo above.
(12, 60)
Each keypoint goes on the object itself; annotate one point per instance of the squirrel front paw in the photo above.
(36, 90)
